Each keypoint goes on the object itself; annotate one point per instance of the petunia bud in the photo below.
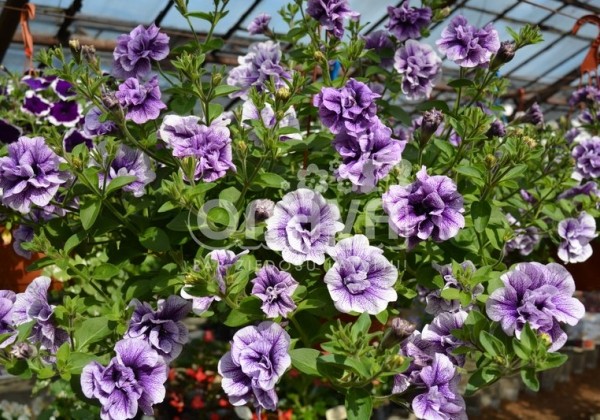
(490, 161)
(402, 328)
(319, 56)
(263, 209)
(497, 129)
(22, 351)
(109, 100)
(216, 79)
(283, 93)
(430, 123)
(74, 46)
(506, 52)
(89, 53)
(529, 141)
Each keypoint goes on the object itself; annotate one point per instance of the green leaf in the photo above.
(105, 271)
(271, 180)
(492, 345)
(480, 213)
(89, 212)
(515, 172)
(441, 105)
(521, 351)
(468, 171)
(73, 241)
(91, 331)
(361, 326)
(223, 90)
(359, 404)
(201, 15)
(248, 311)
(530, 379)
(305, 360)
(155, 239)
(77, 361)
(450, 293)
(553, 360)
(528, 338)
(347, 362)
(460, 83)
(119, 182)
(481, 378)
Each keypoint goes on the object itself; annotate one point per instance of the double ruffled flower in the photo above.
(577, 235)
(331, 14)
(407, 22)
(135, 51)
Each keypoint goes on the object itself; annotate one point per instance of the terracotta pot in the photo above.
(585, 274)
(13, 269)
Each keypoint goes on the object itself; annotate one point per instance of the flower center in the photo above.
(265, 363)
(354, 272)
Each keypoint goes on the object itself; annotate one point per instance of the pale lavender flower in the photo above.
(587, 159)
(420, 68)
(22, 234)
(525, 239)
(572, 134)
(134, 379)
(442, 401)
(7, 301)
(257, 67)
(75, 137)
(590, 188)
(9, 133)
(421, 353)
(454, 139)
(275, 289)
(380, 42)
(467, 45)
(361, 279)
(429, 207)
(331, 14)
(35, 105)
(439, 331)
(540, 295)
(126, 162)
(407, 22)
(142, 101)
(209, 145)
(135, 51)
(161, 328)
(258, 358)
(367, 156)
(29, 175)
(65, 113)
(94, 127)
(588, 95)
(303, 225)
(350, 108)
(260, 24)
(577, 235)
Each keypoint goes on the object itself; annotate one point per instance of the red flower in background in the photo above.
(197, 402)
(176, 401)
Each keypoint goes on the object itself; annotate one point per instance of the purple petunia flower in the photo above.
(525, 239)
(351, 108)
(142, 101)
(368, 156)
(161, 328)
(211, 146)
(361, 279)
(74, 137)
(22, 234)
(590, 188)
(303, 225)
(65, 113)
(572, 134)
(587, 158)
(29, 175)
(7, 301)
(63, 89)
(407, 22)
(260, 24)
(534, 115)
(436, 304)
(588, 95)
(35, 105)
(135, 51)
(9, 133)
(380, 42)
(467, 45)
(275, 288)
(497, 129)
(540, 295)
(422, 353)
(258, 358)
(269, 119)
(93, 126)
(439, 331)
(577, 234)
(429, 207)
(134, 379)
(331, 14)
(420, 68)
(32, 305)
(126, 162)
(38, 83)
(442, 401)
(262, 63)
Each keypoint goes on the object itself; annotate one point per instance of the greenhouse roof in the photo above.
(545, 72)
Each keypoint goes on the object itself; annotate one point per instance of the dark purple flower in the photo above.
(422, 353)
(22, 234)
(331, 14)
(588, 95)
(260, 24)
(275, 289)
(74, 137)
(351, 108)
(29, 175)
(380, 42)
(262, 63)
(7, 301)
(258, 358)
(420, 68)
(210, 146)
(590, 188)
(442, 401)
(63, 89)
(126, 162)
(32, 305)
(506, 52)
(497, 129)
(587, 159)
(65, 113)
(161, 328)
(467, 45)
(407, 22)
(430, 123)
(142, 101)
(524, 240)
(135, 51)
(367, 156)
(94, 127)
(303, 226)
(429, 207)
(576, 234)
(35, 104)
(540, 295)
(534, 115)
(134, 379)
(361, 279)
(9, 133)
(38, 83)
